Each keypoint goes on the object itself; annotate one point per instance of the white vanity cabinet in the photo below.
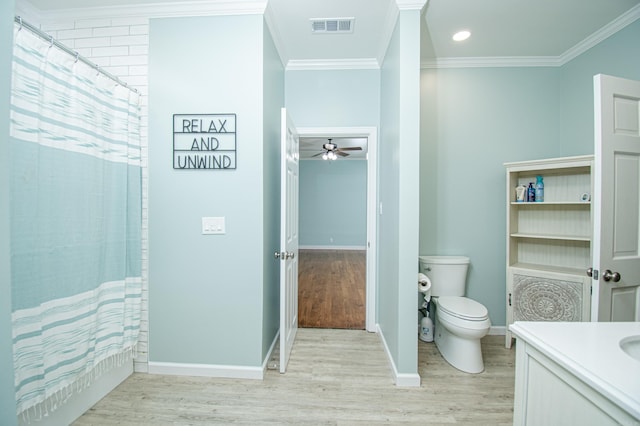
(575, 374)
(549, 242)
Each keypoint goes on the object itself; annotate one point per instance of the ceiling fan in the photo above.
(330, 150)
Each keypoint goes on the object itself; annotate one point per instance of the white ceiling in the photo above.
(500, 28)
(516, 28)
(503, 31)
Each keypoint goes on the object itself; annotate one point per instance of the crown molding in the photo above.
(602, 34)
(492, 62)
(410, 4)
(160, 10)
(332, 64)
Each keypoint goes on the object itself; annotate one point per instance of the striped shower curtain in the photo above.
(75, 223)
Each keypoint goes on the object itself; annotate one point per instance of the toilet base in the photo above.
(463, 354)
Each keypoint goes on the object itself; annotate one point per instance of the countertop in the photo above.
(590, 351)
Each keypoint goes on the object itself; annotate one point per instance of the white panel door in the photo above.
(288, 254)
(616, 245)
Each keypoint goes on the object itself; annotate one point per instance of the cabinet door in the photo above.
(548, 296)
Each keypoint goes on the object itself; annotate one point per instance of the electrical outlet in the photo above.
(213, 225)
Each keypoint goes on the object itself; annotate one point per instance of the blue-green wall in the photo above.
(389, 182)
(474, 120)
(7, 389)
(333, 98)
(208, 302)
(618, 55)
(333, 203)
(398, 193)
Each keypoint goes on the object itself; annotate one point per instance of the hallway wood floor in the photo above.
(332, 289)
(334, 377)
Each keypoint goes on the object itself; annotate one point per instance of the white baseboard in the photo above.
(498, 330)
(141, 367)
(209, 370)
(79, 402)
(268, 357)
(332, 247)
(400, 379)
(206, 370)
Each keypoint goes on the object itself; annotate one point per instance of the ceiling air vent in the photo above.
(332, 25)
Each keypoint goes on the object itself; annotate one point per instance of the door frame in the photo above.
(371, 133)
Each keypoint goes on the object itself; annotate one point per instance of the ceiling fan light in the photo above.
(325, 156)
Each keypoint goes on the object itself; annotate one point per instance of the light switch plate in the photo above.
(213, 225)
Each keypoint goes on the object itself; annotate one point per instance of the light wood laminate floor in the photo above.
(335, 377)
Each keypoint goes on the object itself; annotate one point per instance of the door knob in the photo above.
(611, 276)
(284, 255)
(590, 272)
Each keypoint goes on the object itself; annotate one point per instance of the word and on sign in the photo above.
(204, 141)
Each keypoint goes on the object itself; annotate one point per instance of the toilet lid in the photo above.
(463, 307)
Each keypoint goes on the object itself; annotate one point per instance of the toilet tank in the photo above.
(448, 274)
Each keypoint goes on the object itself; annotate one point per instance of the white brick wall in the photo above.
(120, 46)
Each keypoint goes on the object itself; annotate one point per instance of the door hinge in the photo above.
(509, 299)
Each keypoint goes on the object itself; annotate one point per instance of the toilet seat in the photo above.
(463, 308)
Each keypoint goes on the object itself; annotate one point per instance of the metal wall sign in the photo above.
(204, 141)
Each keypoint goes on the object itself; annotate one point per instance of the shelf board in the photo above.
(551, 237)
(557, 165)
(551, 203)
(550, 268)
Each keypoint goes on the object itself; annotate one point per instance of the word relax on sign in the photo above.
(204, 141)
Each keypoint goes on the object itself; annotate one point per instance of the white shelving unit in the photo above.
(549, 242)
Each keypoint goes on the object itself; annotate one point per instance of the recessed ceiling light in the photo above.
(461, 35)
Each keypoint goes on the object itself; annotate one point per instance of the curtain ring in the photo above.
(20, 21)
(51, 40)
(77, 57)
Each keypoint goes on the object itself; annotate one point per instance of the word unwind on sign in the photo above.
(204, 141)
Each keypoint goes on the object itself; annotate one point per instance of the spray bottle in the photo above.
(539, 189)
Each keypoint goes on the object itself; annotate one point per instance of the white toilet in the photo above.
(460, 322)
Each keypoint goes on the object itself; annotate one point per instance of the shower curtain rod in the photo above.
(49, 38)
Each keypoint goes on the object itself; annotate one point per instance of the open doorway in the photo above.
(332, 233)
(337, 278)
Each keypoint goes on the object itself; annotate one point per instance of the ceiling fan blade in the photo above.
(320, 153)
(341, 154)
(350, 148)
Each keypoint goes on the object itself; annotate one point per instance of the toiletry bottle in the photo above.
(426, 329)
(539, 189)
(531, 193)
(521, 193)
